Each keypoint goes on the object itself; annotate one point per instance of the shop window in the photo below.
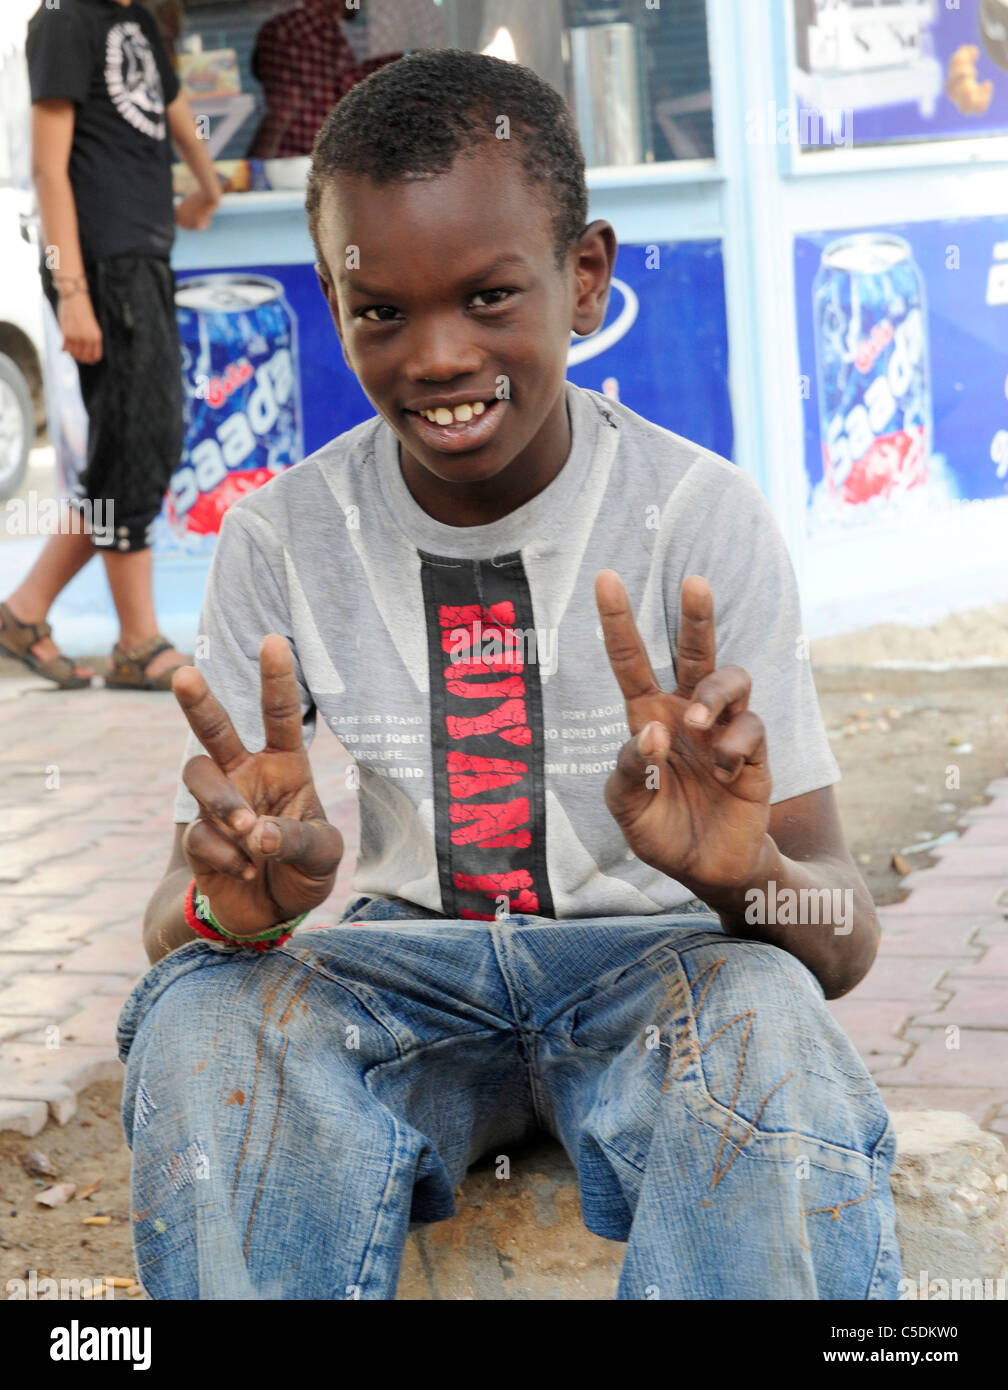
(638, 78)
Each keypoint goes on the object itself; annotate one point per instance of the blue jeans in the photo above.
(293, 1112)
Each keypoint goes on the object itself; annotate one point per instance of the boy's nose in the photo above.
(441, 352)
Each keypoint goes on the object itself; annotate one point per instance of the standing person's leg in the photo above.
(291, 1112)
(721, 1121)
(139, 445)
(62, 556)
(131, 582)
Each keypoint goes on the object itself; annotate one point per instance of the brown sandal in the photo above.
(129, 669)
(17, 639)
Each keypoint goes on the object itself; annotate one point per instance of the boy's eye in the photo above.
(482, 299)
(490, 298)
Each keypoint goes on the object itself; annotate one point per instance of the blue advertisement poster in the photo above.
(868, 73)
(903, 350)
(266, 384)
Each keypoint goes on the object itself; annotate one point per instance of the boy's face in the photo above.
(454, 299)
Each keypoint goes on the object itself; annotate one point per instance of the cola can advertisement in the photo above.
(871, 349)
(903, 385)
(242, 400)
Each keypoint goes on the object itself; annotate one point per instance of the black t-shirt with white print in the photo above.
(109, 60)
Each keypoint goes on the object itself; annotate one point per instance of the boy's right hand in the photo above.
(261, 849)
(82, 336)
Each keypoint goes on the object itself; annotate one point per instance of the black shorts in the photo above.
(133, 396)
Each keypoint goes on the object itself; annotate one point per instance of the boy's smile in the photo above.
(456, 320)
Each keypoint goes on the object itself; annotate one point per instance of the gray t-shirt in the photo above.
(463, 668)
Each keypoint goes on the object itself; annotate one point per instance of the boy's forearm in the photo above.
(830, 920)
(58, 218)
(191, 149)
(165, 927)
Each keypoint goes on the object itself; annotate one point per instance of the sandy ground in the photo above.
(903, 738)
(980, 635)
(55, 1242)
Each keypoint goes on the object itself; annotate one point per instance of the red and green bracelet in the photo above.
(203, 922)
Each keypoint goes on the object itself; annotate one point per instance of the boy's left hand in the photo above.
(691, 797)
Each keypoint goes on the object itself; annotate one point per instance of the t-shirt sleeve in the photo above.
(59, 55)
(742, 554)
(243, 603)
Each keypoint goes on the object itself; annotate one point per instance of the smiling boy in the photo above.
(548, 928)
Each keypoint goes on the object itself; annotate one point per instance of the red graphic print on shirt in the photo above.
(486, 738)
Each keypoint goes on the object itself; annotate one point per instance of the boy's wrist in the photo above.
(69, 285)
(202, 921)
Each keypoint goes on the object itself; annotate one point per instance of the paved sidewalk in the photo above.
(86, 786)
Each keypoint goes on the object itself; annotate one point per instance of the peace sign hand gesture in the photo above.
(261, 848)
(691, 794)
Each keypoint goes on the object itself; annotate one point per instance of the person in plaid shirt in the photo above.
(305, 65)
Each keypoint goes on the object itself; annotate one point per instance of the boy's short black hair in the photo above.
(413, 117)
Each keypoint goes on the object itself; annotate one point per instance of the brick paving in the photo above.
(86, 786)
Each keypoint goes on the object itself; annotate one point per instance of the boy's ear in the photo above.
(594, 257)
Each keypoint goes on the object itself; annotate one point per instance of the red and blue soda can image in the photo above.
(872, 367)
(242, 395)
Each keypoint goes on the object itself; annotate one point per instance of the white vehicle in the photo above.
(22, 399)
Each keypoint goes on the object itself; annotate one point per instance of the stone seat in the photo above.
(522, 1237)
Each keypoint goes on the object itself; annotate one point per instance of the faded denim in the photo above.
(292, 1112)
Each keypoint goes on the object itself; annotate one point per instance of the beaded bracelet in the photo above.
(203, 922)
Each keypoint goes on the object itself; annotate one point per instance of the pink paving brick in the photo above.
(62, 800)
(21, 820)
(63, 878)
(901, 978)
(976, 1003)
(17, 1025)
(929, 934)
(111, 952)
(871, 1024)
(54, 993)
(13, 963)
(989, 830)
(934, 892)
(975, 1101)
(959, 860)
(940, 947)
(993, 964)
(59, 932)
(92, 1026)
(981, 1059)
(65, 837)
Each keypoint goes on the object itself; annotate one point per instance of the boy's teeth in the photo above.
(461, 415)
